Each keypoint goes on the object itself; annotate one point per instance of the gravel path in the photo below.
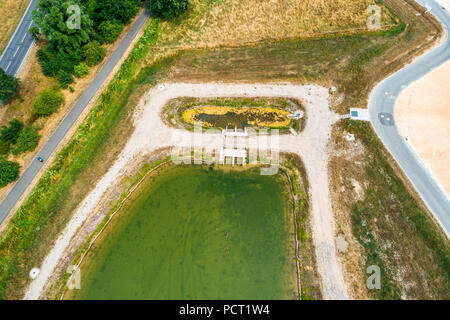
(151, 133)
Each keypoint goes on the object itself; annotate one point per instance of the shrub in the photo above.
(4, 147)
(9, 86)
(27, 141)
(94, 53)
(48, 102)
(118, 10)
(81, 70)
(11, 133)
(65, 78)
(110, 30)
(168, 8)
(34, 31)
(9, 172)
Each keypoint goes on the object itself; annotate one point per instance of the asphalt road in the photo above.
(30, 173)
(19, 45)
(381, 106)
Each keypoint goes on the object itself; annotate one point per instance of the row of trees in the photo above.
(75, 37)
(67, 52)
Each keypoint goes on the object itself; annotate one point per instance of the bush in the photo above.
(65, 78)
(81, 70)
(120, 11)
(11, 133)
(94, 53)
(34, 32)
(9, 172)
(168, 8)
(27, 141)
(48, 102)
(4, 147)
(110, 30)
(9, 86)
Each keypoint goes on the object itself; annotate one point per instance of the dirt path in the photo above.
(151, 134)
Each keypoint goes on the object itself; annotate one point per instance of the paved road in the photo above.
(24, 181)
(381, 107)
(20, 44)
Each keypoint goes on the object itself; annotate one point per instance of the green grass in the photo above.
(389, 214)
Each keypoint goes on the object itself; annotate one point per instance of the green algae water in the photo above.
(189, 232)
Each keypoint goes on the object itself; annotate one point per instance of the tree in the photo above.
(9, 86)
(57, 21)
(81, 70)
(9, 172)
(48, 102)
(11, 133)
(35, 33)
(168, 8)
(27, 141)
(110, 30)
(50, 18)
(94, 53)
(4, 147)
(120, 11)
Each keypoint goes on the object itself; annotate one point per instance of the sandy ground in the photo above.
(422, 113)
(151, 134)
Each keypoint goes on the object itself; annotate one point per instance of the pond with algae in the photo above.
(193, 232)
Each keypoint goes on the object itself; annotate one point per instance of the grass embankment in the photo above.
(397, 233)
(222, 112)
(309, 278)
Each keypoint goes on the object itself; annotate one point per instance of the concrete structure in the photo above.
(233, 154)
(359, 114)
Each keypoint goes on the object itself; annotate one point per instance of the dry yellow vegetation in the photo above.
(256, 116)
(11, 12)
(238, 22)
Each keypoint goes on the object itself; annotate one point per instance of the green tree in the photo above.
(110, 30)
(168, 8)
(4, 147)
(48, 102)
(56, 20)
(9, 86)
(11, 132)
(27, 141)
(120, 11)
(81, 70)
(9, 172)
(34, 31)
(94, 53)
(50, 18)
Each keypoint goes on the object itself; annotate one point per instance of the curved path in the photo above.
(33, 169)
(381, 108)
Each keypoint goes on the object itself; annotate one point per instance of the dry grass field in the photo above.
(236, 22)
(11, 11)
